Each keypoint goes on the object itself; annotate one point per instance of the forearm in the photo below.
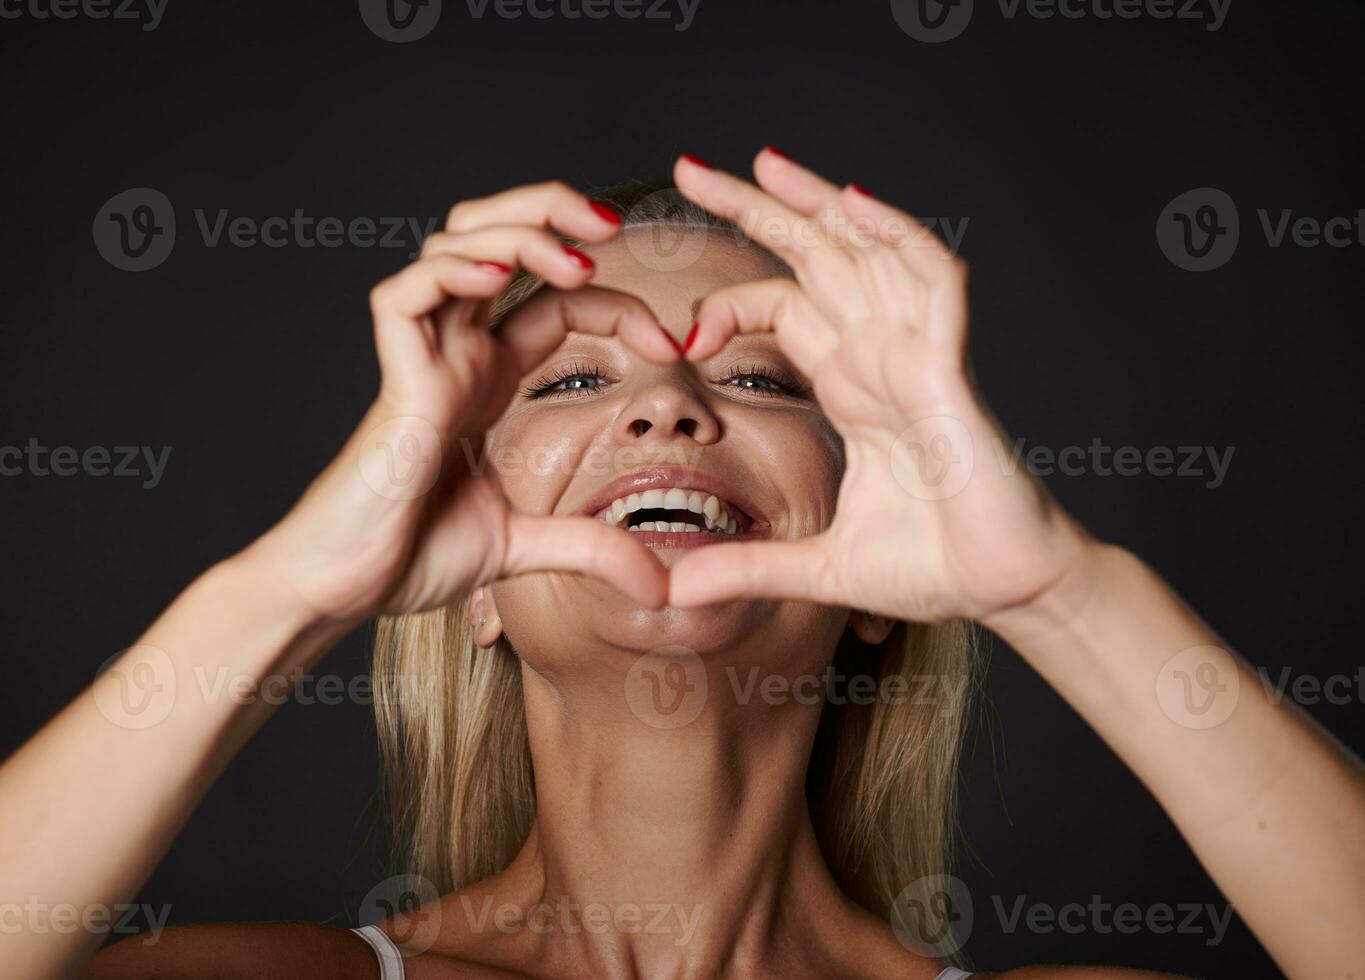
(90, 804)
(1272, 806)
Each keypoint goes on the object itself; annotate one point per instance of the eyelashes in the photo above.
(762, 379)
(566, 380)
(578, 380)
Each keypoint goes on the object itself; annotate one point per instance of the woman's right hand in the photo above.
(409, 515)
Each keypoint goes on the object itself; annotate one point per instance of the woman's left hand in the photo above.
(929, 524)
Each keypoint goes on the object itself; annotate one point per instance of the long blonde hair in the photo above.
(882, 780)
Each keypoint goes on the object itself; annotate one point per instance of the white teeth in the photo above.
(716, 516)
(711, 508)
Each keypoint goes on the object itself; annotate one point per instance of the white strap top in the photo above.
(390, 960)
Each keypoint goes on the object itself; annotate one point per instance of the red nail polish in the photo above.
(860, 189)
(691, 337)
(776, 152)
(579, 257)
(606, 213)
(497, 268)
(673, 340)
(697, 161)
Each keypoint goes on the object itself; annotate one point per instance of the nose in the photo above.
(664, 410)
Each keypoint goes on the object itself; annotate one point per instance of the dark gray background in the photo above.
(1060, 141)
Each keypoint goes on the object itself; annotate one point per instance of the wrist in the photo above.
(261, 572)
(1062, 604)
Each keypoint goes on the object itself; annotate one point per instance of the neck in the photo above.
(690, 847)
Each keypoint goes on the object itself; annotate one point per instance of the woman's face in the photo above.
(595, 423)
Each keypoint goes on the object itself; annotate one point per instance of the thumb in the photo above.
(585, 544)
(753, 569)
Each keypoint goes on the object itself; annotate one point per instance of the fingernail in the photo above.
(579, 257)
(497, 268)
(673, 340)
(606, 213)
(860, 189)
(691, 337)
(697, 161)
(776, 152)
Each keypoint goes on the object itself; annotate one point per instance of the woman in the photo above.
(615, 538)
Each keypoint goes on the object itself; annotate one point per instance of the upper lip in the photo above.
(682, 477)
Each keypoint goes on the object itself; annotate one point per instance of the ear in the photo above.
(869, 627)
(484, 620)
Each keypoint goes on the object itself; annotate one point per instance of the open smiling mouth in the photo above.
(677, 518)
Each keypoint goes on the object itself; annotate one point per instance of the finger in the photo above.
(533, 249)
(788, 233)
(552, 204)
(796, 186)
(780, 305)
(752, 569)
(922, 251)
(401, 300)
(540, 325)
(586, 545)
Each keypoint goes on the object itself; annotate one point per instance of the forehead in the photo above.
(672, 267)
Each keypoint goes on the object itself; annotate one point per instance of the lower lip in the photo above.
(688, 539)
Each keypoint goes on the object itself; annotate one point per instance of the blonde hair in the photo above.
(882, 780)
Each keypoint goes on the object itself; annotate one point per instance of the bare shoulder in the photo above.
(262, 951)
(232, 950)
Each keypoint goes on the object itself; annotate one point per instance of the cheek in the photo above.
(535, 457)
(803, 458)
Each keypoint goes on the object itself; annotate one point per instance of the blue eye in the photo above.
(753, 382)
(763, 380)
(574, 379)
(579, 382)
